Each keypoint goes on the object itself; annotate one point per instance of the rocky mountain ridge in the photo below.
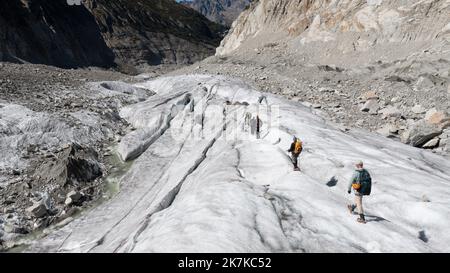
(381, 65)
(104, 33)
(155, 32)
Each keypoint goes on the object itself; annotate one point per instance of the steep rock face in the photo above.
(347, 26)
(221, 11)
(101, 33)
(51, 32)
(155, 32)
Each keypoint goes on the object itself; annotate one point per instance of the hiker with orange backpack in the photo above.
(295, 150)
(361, 183)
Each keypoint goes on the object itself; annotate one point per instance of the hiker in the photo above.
(258, 127)
(255, 126)
(361, 183)
(295, 150)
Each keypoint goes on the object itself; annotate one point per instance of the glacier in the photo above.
(202, 180)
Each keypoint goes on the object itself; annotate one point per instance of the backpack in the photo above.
(298, 147)
(364, 181)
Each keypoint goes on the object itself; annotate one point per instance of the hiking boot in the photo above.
(361, 219)
(351, 208)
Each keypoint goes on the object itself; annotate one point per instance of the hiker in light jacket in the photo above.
(361, 183)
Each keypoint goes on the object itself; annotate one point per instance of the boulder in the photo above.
(424, 83)
(74, 163)
(431, 144)
(390, 111)
(37, 210)
(74, 197)
(370, 95)
(370, 106)
(418, 109)
(422, 132)
(41, 223)
(393, 128)
(384, 132)
(440, 118)
(10, 228)
(404, 137)
(388, 130)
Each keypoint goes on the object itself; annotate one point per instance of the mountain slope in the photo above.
(51, 32)
(220, 11)
(360, 26)
(381, 65)
(100, 32)
(206, 183)
(154, 32)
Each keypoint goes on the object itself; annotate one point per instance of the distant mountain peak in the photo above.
(220, 11)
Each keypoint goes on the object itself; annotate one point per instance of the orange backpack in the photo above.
(298, 147)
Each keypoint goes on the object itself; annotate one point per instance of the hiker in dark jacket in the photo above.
(361, 183)
(295, 150)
